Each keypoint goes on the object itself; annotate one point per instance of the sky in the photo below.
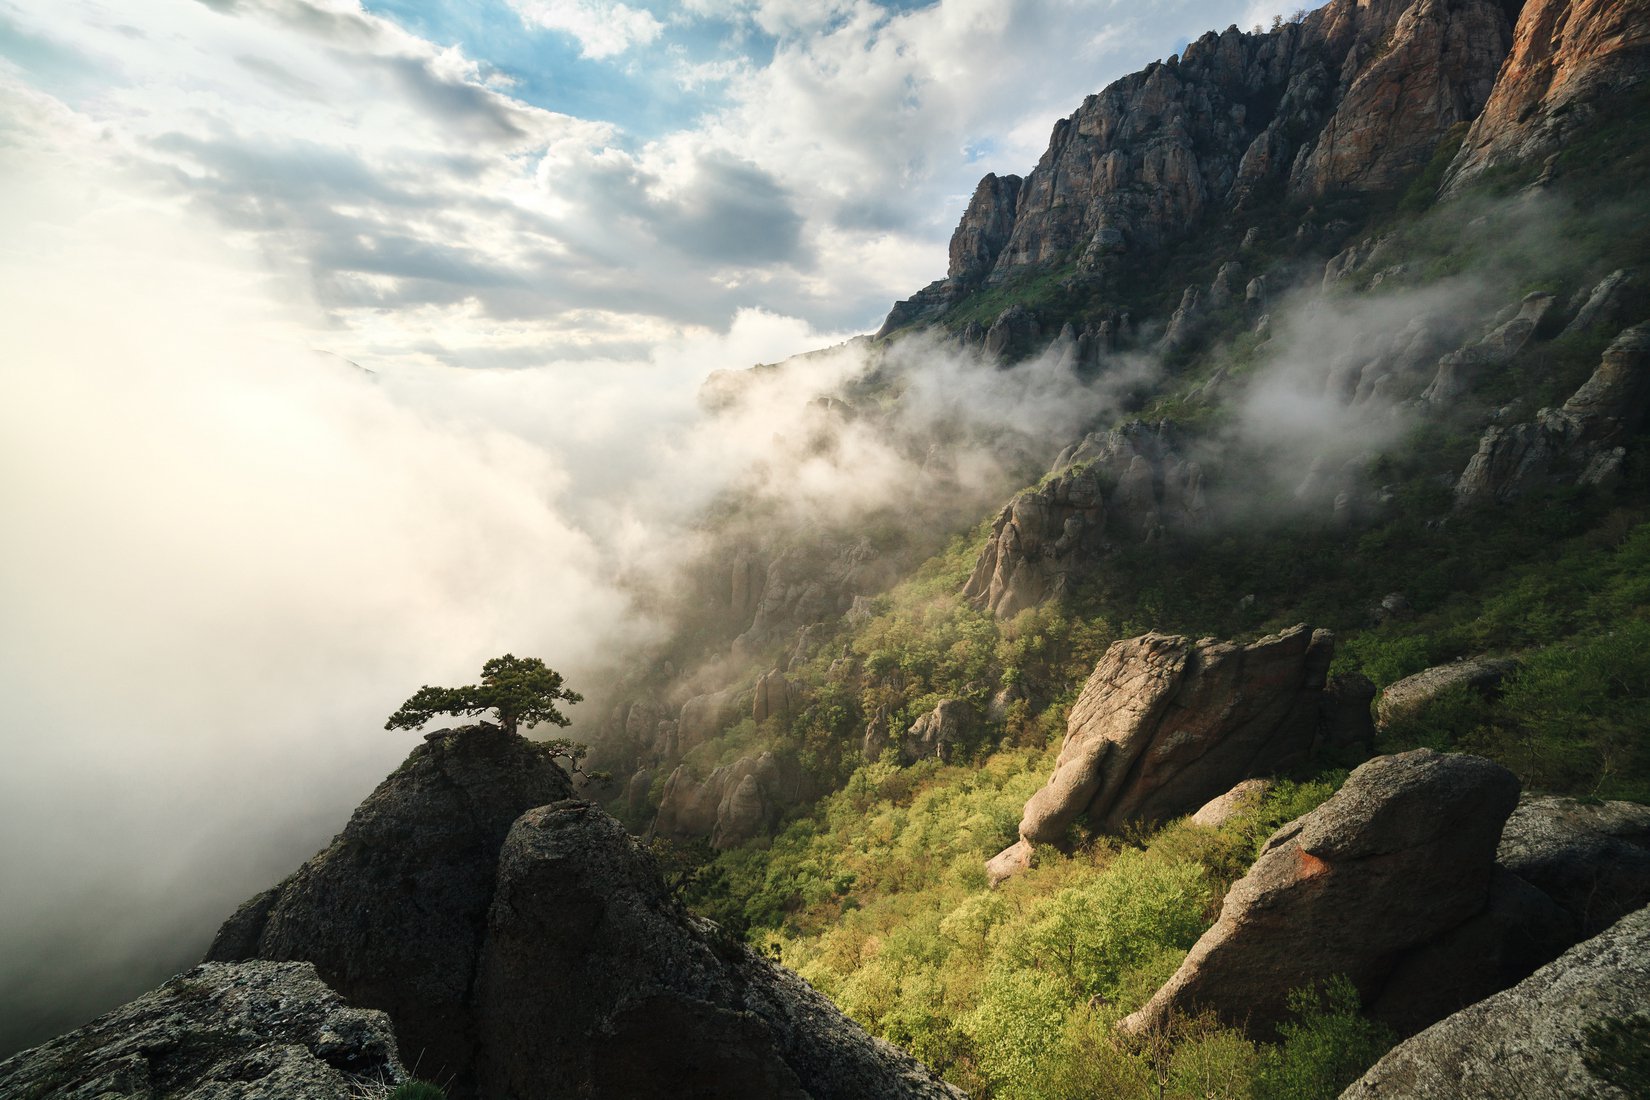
(349, 344)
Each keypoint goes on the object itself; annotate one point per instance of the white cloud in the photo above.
(602, 29)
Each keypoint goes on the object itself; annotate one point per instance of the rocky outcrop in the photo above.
(1605, 304)
(937, 733)
(1569, 60)
(230, 1031)
(1400, 856)
(1346, 728)
(1129, 482)
(1592, 858)
(391, 912)
(773, 698)
(1411, 695)
(1458, 370)
(703, 717)
(1165, 723)
(984, 228)
(1577, 444)
(735, 803)
(564, 965)
(596, 982)
(1549, 1036)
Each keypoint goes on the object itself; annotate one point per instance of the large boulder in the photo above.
(596, 982)
(1592, 858)
(1549, 1036)
(1410, 696)
(1401, 855)
(392, 911)
(1166, 723)
(228, 1031)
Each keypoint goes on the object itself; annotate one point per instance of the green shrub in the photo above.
(417, 1090)
(1327, 1047)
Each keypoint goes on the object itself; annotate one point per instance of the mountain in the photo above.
(988, 704)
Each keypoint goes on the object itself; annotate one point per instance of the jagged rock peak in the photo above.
(392, 911)
(1355, 96)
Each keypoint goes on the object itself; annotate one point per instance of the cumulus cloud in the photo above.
(602, 29)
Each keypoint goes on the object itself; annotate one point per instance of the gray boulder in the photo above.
(1541, 1038)
(1165, 723)
(225, 1031)
(392, 911)
(1593, 859)
(596, 982)
(1401, 855)
(1411, 695)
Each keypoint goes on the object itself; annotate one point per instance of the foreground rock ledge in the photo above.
(228, 1031)
(1401, 855)
(1532, 1039)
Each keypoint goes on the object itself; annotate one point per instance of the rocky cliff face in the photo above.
(1569, 59)
(595, 982)
(1356, 96)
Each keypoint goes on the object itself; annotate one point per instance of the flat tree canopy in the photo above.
(523, 690)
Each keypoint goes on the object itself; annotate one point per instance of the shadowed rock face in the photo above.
(595, 982)
(1569, 57)
(1593, 859)
(1532, 1039)
(1165, 723)
(392, 911)
(230, 1031)
(1402, 855)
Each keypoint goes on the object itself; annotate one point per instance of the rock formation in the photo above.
(1165, 723)
(772, 698)
(734, 803)
(230, 1031)
(1459, 369)
(537, 952)
(1569, 60)
(596, 982)
(701, 718)
(1542, 1037)
(1605, 304)
(1400, 856)
(1593, 859)
(936, 733)
(1355, 96)
(1411, 695)
(1579, 443)
(391, 912)
(1129, 482)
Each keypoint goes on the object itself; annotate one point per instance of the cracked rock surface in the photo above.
(228, 1031)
